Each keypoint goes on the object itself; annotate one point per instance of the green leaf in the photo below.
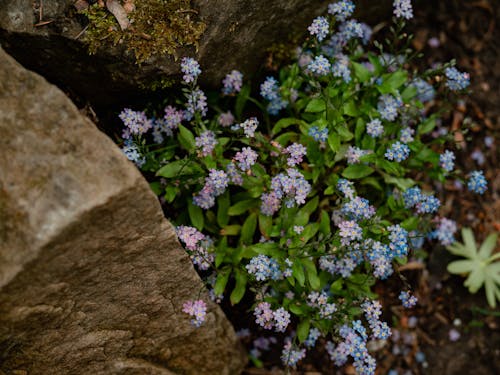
(312, 274)
(488, 246)
(334, 141)
(427, 126)
(230, 230)
(179, 168)
(223, 203)
(491, 291)
(469, 241)
(239, 288)
(316, 105)
(411, 223)
(241, 100)
(309, 231)
(393, 81)
(402, 183)
(221, 281)
(372, 181)
(336, 286)
(311, 205)
(171, 193)
(196, 215)
(344, 133)
(298, 272)
(156, 187)
(409, 93)
(459, 249)
(186, 139)
(356, 171)
(265, 225)
(303, 330)
(296, 309)
(221, 251)
(286, 122)
(351, 109)
(360, 72)
(241, 207)
(461, 266)
(475, 279)
(248, 229)
(324, 224)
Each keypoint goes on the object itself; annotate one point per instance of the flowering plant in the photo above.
(304, 199)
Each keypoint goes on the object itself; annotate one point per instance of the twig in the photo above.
(43, 23)
(81, 32)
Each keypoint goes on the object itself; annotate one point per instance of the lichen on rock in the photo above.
(157, 27)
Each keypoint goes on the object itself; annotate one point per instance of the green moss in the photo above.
(158, 27)
(158, 84)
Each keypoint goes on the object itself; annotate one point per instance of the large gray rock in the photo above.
(92, 278)
(236, 36)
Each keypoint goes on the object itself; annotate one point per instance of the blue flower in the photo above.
(398, 152)
(341, 9)
(320, 66)
(447, 160)
(388, 106)
(456, 80)
(320, 28)
(477, 183)
(190, 68)
(403, 9)
(407, 299)
(375, 128)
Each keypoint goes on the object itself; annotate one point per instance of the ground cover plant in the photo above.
(300, 197)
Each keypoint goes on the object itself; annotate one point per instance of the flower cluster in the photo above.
(264, 268)
(246, 158)
(447, 160)
(291, 355)
(215, 184)
(342, 10)
(292, 187)
(267, 318)
(398, 152)
(232, 83)
(456, 80)
(197, 244)
(319, 28)
(477, 182)
(197, 309)
(320, 66)
(191, 69)
(407, 299)
(283, 196)
(403, 9)
(296, 152)
(388, 106)
(270, 91)
(320, 135)
(375, 128)
(207, 142)
(248, 126)
(136, 123)
(321, 302)
(132, 153)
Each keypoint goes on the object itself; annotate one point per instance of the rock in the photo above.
(236, 36)
(92, 277)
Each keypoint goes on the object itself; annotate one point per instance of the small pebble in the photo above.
(453, 335)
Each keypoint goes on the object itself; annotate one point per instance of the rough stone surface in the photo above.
(237, 34)
(92, 278)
